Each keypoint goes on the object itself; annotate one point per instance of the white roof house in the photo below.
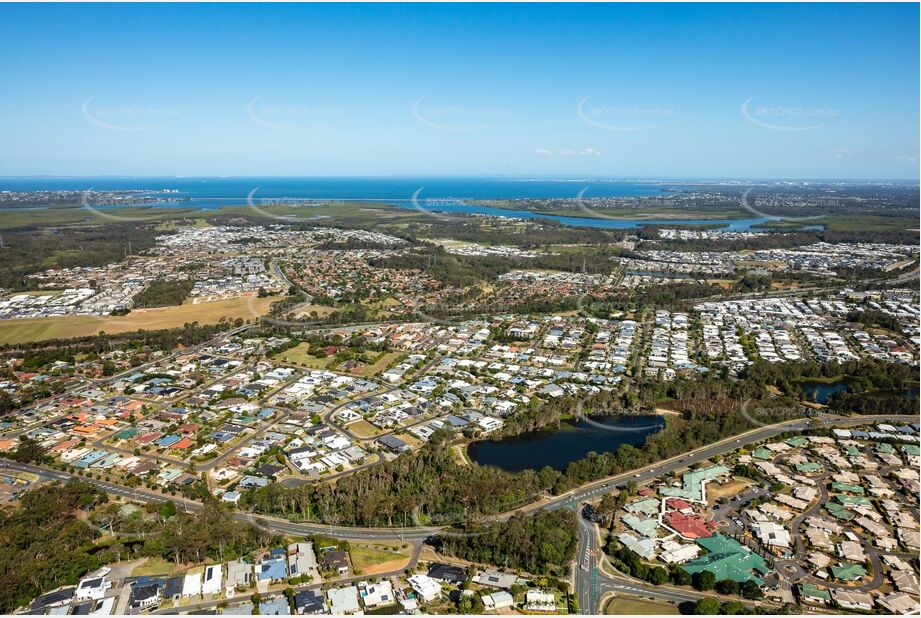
(374, 595)
(424, 586)
(191, 585)
(497, 600)
(212, 580)
(343, 600)
(92, 588)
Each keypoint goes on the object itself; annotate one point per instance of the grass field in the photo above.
(299, 355)
(379, 364)
(154, 566)
(364, 429)
(378, 557)
(638, 607)
(356, 212)
(38, 329)
(322, 311)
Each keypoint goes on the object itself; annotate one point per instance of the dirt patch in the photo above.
(716, 491)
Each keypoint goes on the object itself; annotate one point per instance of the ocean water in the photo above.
(427, 194)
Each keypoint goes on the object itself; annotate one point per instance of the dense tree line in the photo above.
(534, 236)
(47, 542)
(893, 386)
(40, 353)
(427, 485)
(431, 486)
(31, 249)
(540, 544)
(43, 543)
(163, 293)
(875, 317)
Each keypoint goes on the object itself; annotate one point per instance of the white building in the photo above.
(426, 587)
(212, 580)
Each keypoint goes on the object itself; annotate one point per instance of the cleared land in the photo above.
(364, 429)
(736, 485)
(300, 356)
(638, 607)
(380, 363)
(380, 557)
(39, 329)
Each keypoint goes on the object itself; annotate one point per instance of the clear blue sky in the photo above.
(671, 90)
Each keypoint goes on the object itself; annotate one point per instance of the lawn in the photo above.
(299, 355)
(380, 363)
(638, 607)
(321, 310)
(378, 557)
(39, 329)
(154, 566)
(364, 429)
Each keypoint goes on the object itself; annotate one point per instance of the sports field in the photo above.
(38, 329)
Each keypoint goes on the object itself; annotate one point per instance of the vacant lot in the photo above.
(38, 329)
(299, 355)
(715, 491)
(383, 360)
(639, 607)
(364, 429)
(379, 557)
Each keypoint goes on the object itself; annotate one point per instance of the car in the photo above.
(637, 475)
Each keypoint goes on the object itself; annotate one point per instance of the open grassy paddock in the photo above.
(628, 606)
(40, 329)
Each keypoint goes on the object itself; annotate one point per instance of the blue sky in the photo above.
(671, 90)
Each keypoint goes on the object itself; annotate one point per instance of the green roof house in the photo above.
(848, 488)
(726, 558)
(813, 594)
(693, 483)
(848, 572)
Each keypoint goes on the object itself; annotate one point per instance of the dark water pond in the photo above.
(558, 447)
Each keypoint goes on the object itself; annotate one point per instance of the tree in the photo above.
(29, 451)
(707, 606)
(657, 576)
(108, 368)
(751, 590)
(680, 577)
(703, 580)
(731, 608)
(727, 586)
(167, 509)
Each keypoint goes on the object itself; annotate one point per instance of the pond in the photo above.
(821, 391)
(558, 447)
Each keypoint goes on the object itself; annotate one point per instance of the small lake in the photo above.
(558, 447)
(821, 391)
